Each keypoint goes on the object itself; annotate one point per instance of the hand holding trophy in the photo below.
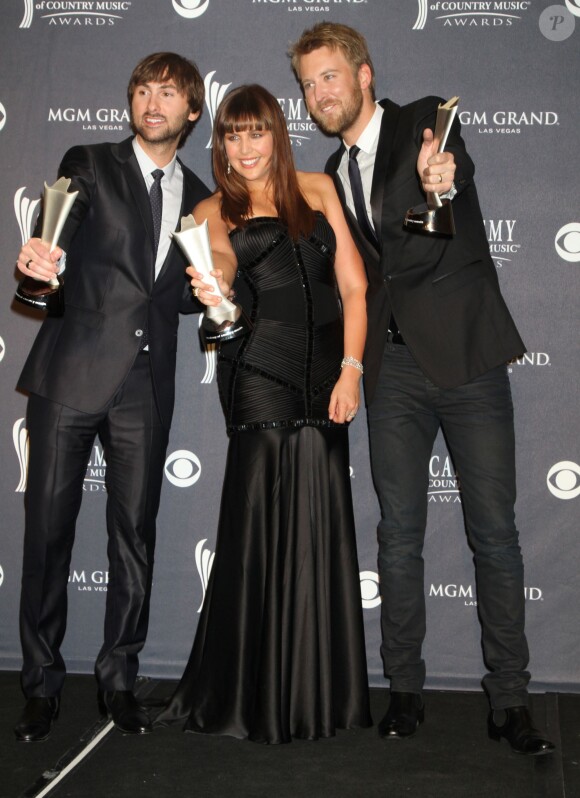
(436, 215)
(222, 322)
(38, 293)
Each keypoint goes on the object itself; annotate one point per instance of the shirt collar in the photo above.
(369, 138)
(147, 165)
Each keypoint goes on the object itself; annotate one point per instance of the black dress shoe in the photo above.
(405, 714)
(36, 720)
(516, 725)
(122, 708)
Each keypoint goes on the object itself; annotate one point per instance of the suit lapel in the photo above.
(361, 240)
(130, 167)
(381, 169)
(187, 202)
(188, 199)
(332, 170)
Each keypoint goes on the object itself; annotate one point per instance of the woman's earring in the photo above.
(229, 168)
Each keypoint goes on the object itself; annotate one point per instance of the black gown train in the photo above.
(279, 650)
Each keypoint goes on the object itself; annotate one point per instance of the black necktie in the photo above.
(363, 219)
(156, 200)
(358, 195)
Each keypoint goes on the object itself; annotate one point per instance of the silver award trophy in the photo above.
(56, 207)
(436, 215)
(222, 322)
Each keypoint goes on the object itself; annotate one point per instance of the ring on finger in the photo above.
(196, 292)
(441, 178)
(28, 262)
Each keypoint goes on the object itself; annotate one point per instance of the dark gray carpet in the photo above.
(451, 756)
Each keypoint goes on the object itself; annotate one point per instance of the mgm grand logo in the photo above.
(89, 581)
(504, 122)
(469, 594)
(101, 119)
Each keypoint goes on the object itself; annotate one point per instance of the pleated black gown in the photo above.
(279, 650)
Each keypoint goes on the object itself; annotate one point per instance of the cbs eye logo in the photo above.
(567, 242)
(190, 9)
(563, 480)
(369, 589)
(182, 468)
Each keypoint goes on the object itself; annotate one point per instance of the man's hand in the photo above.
(436, 170)
(36, 260)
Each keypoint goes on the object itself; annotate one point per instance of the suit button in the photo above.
(388, 278)
(138, 333)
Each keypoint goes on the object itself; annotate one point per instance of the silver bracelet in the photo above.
(352, 361)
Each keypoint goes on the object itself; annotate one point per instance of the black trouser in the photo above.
(477, 421)
(60, 442)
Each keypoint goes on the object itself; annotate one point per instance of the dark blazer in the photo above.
(81, 359)
(443, 291)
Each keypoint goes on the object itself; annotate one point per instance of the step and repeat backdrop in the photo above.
(515, 66)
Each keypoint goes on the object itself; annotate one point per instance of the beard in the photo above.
(342, 119)
(164, 134)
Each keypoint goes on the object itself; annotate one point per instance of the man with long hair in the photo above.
(439, 336)
(106, 368)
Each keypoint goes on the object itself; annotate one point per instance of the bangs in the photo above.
(243, 125)
(245, 112)
(168, 70)
(161, 73)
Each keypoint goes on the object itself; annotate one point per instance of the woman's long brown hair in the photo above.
(252, 107)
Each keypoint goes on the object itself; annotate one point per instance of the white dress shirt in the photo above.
(367, 142)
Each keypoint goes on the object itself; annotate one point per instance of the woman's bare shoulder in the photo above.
(207, 207)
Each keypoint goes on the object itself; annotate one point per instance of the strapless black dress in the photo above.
(279, 650)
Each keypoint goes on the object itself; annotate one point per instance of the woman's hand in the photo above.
(205, 292)
(345, 397)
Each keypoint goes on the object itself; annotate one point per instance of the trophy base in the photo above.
(216, 330)
(40, 295)
(424, 219)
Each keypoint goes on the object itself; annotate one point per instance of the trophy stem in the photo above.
(434, 200)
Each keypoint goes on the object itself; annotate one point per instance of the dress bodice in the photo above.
(282, 373)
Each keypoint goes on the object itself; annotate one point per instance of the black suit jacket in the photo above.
(443, 291)
(81, 359)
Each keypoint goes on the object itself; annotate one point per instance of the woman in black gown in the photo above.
(279, 650)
